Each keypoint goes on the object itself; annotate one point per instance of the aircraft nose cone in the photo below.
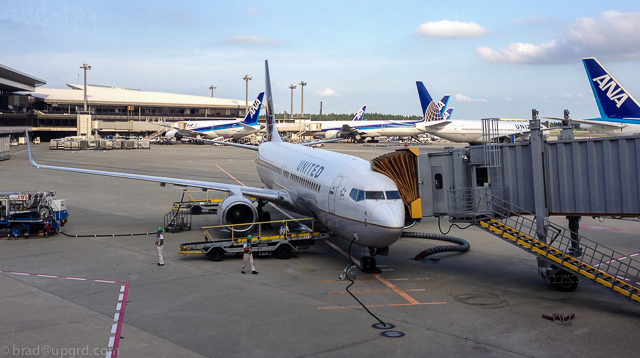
(388, 215)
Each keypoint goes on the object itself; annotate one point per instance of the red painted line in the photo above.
(116, 344)
(617, 259)
(232, 177)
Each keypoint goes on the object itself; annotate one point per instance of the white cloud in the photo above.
(613, 36)
(462, 98)
(252, 40)
(327, 92)
(508, 99)
(451, 29)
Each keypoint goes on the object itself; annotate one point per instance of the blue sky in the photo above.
(496, 58)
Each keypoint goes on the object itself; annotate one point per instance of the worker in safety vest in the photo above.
(159, 246)
(247, 257)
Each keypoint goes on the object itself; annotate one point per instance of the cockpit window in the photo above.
(375, 195)
(392, 195)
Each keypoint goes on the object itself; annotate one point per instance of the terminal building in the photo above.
(53, 113)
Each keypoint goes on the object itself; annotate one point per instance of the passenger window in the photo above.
(374, 195)
(438, 181)
(393, 195)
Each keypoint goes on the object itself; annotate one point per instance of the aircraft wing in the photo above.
(594, 122)
(260, 193)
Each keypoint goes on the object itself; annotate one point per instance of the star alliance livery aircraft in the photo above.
(619, 111)
(216, 129)
(341, 191)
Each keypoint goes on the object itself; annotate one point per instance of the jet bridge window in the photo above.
(482, 177)
(437, 180)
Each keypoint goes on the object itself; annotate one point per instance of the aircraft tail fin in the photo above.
(447, 113)
(360, 115)
(443, 103)
(425, 97)
(272, 131)
(254, 111)
(432, 111)
(613, 100)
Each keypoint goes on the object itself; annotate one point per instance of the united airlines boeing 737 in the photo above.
(216, 129)
(341, 191)
(619, 111)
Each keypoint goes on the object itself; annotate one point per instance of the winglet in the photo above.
(443, 103)
(254, 111)
(272, 131)
(613, 100)
(360, 115)
(447, 113)
(26, 132)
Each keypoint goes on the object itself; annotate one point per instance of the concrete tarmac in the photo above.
(67, 293)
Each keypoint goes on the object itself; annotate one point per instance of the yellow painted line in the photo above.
(396, 289)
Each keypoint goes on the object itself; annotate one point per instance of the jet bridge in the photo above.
(511, 190)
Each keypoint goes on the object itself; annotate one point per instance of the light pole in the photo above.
(212, 88)
(86, 67)
(246, 78)
(292, 87)
(302, 83)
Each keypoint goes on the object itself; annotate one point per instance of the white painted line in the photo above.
(122, 288)
(118, 306)
(114, 328)
(105, 281)
(76, 278)
(20, 273)
(108, 355)
(111, 341)
(120, 297)
(116, 316)
(49, 276)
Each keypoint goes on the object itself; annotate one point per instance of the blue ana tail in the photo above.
(254, 111)
(272, 131)
(613, 100)
(447, 114)
(360, 115)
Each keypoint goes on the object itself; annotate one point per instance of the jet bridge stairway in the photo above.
(563, 256)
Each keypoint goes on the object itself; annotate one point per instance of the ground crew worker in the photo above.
(247, 257)
(159, 246)
(284, 230)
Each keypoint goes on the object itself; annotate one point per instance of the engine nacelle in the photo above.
(173, 134)
(236, 209)
(332, 134)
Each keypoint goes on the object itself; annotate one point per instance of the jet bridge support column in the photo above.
(537, 161)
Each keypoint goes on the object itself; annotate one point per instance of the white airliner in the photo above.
(619, 111)
(360, 129)
(341, 191)
(467, 130)
(212, 129)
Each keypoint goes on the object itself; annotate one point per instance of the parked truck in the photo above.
(29, 213)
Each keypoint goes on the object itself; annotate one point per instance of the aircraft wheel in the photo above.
(283, 252)
(564, 281)
(196, 210)
(217, 254)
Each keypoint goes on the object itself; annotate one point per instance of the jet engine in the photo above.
(173, 134)
(236, 209)
(332, 134)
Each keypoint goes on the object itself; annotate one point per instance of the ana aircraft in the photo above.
(341, 191)
(619, 111)
(217, 129)
(369, 129)
(468, 130)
